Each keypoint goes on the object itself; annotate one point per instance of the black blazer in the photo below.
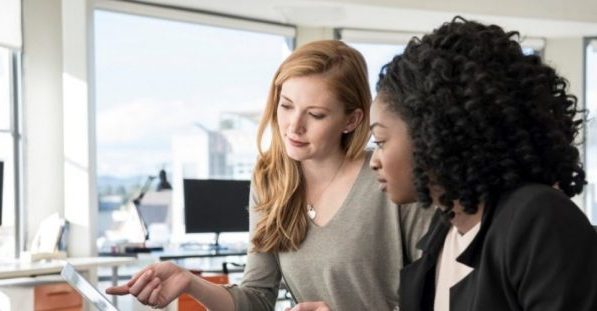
(535, 250)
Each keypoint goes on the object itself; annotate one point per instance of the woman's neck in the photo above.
(315, 170)
(464, 222)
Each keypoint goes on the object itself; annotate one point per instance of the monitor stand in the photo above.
(217, 246)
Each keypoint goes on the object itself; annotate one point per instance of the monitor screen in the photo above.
(1, 188)
(212, 205)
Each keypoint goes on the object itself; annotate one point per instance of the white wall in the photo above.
(566, 56)
(80, 197)
(57, 157)
(307, 34)
(42, 112)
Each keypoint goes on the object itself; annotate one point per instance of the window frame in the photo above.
(587, 208)
(15, 131)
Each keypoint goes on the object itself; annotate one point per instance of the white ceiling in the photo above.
(536, 18)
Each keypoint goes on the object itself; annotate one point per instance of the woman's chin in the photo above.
(400, 198)
(297, 156)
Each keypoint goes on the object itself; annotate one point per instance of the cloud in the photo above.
(148, 122)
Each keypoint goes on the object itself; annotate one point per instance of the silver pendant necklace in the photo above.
(311, 212)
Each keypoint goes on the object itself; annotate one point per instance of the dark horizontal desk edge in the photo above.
(174, 255)
(124, 277)
(108, 254)
(185, 255)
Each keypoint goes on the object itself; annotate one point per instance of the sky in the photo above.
(156, 78)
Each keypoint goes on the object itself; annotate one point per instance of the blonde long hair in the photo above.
(277, 179)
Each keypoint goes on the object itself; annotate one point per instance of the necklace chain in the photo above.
(311, 212)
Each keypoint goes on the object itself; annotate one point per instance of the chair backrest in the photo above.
(187, 303)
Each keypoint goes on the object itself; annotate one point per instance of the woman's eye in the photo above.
(317, 116)
(285, 106)
(379, 143)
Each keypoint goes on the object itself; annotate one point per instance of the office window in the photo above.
(9, 138)
(591, 130)
(377, 55)
(378, 48)
(179, 96)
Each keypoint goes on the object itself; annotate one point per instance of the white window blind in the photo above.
(376, 36)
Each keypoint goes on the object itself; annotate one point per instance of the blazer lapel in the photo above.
(472, 254)
(417, 280)
(463, 293)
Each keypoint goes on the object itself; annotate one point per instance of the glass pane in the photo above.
(376, 56)
(5, 88)
(591, 131)
(7, 228)
(176, 96)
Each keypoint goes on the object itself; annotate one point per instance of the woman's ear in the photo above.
(354, 119)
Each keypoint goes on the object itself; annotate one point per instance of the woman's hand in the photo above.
(156, 285)
(310, 306)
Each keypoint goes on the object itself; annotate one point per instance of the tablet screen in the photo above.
(90, 292)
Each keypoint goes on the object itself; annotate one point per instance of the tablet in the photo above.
(90, 292)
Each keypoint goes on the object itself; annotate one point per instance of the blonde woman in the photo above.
(317, 218)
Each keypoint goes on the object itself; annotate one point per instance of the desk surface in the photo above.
(18, 269)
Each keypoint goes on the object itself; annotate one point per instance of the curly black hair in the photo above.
(483, 117)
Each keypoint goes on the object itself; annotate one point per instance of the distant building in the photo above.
(226, 153)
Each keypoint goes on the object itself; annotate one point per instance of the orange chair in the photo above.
(187, 303)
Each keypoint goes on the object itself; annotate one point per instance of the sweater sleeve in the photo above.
(414, 221)
(551, 255)
(258, 289)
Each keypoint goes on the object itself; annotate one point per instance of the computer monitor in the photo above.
(216, 206)
(1, 188)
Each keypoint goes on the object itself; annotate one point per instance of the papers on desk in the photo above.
(45, 243)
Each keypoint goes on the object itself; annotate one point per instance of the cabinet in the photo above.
(57, 297)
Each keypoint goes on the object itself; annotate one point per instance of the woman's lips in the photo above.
(297, 143)
(382, 184)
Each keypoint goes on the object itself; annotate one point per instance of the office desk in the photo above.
(18, 269)
(12, 271)
(208, 261)
(205, 261)
(179, 254)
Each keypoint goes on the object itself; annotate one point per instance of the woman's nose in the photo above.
(296, 124)
(374, 163)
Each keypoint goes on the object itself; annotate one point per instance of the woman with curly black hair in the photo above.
(466, 122)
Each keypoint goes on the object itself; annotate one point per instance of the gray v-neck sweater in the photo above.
(351, 263)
